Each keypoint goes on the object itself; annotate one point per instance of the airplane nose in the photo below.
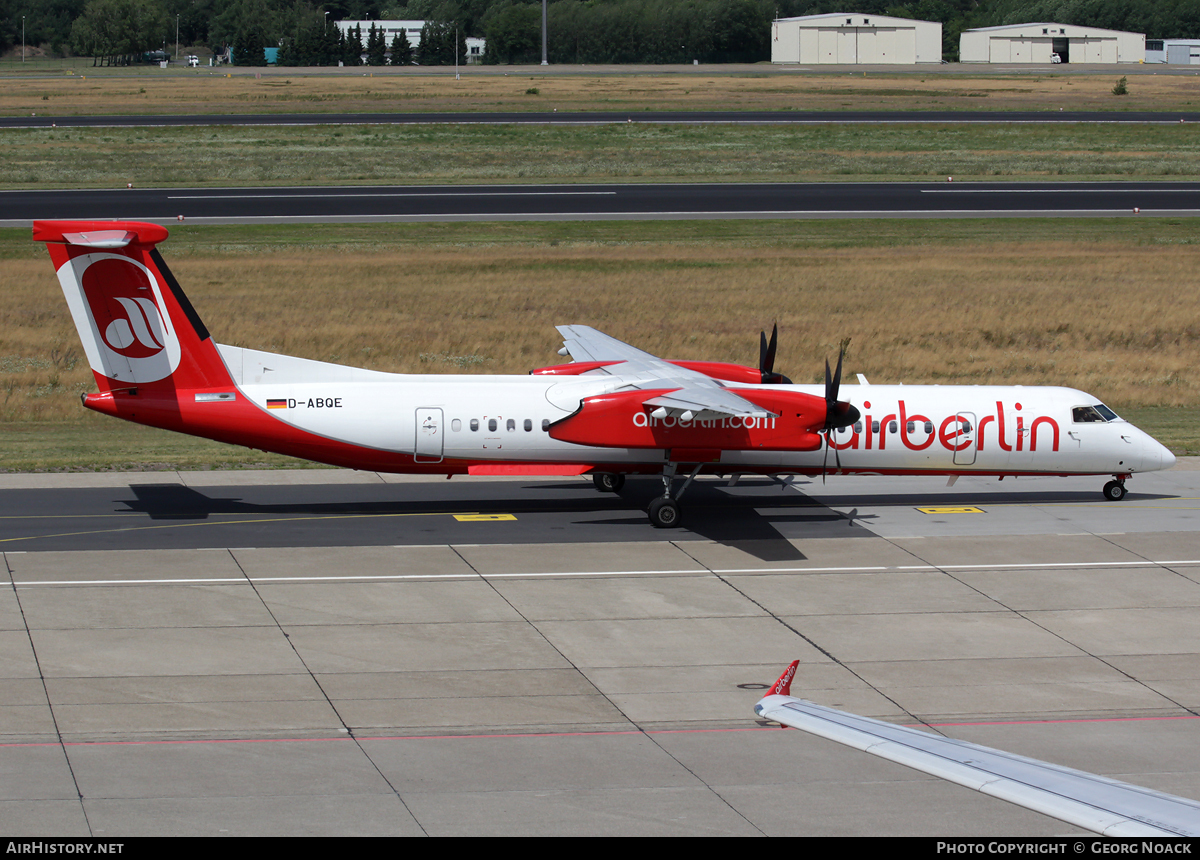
(1155, 455)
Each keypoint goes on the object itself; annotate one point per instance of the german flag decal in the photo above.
(277, 404)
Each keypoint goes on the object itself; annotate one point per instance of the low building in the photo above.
(1177, 52)
(391, 29)
(1050, 43)
(412, 31)
(854, 39)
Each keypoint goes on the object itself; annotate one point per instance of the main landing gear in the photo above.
(1114, 490)
(608, 482)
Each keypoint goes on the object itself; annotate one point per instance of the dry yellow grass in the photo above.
(1117, 319)
(153, 91)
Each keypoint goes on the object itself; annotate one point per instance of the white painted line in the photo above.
(397, 194)
(400, 577)
(969, 190)
(684, 214)
(243, 580)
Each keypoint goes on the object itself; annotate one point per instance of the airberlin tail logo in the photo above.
(139, 333)
(122, 304)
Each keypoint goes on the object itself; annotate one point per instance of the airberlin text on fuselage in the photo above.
(1006, 429)
(641, 419)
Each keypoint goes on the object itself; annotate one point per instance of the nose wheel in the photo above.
(664, 513)
(1114, 491)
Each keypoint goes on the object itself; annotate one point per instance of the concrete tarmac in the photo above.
(323, 652)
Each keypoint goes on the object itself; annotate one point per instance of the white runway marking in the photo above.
(399, 577)
(969, 190)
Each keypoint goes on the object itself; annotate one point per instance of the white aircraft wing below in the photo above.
(696, 393)
(1096, 803)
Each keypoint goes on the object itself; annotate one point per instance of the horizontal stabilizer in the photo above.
(99, 234)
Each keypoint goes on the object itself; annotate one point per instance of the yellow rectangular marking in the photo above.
(952, 509)
(479, 518)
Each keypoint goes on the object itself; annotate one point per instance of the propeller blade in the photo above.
(825, 459)
(769, 363)
(837, 376)
(837, 413)
(766, 358)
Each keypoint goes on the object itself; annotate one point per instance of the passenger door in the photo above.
(430, 433)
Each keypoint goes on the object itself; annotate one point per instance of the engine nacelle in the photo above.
(622, 420)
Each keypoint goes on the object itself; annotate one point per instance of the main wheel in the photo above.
(608, 482)
(1114, 491)
(664, 513)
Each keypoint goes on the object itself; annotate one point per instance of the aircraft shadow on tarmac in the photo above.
(750, 522)
(757, 518)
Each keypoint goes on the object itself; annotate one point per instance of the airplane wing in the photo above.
(1096, 803)
(701, 395)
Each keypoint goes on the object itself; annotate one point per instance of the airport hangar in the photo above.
(849, 39)
(1035, 43)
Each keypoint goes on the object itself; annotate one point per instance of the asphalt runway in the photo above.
(798, 117)
(592, 202)
(329, 652)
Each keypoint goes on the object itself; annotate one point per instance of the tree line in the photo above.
(580, 31)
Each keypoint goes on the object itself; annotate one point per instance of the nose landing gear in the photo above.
(1114, 490)
(664, 511)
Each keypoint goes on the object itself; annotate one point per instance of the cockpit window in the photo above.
(1108, 414)
(1088, 415)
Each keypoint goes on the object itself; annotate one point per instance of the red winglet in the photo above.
(783, 687)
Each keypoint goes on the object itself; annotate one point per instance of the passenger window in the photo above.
(911, 426)
(929, 427)
(510, 425)
(857, 426)
(892, 426)
(474, 424)
(491, 425)
(874, 426)
(545, 424)
(456, 425)
(528, 426)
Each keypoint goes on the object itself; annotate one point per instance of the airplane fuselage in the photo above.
(455, 421)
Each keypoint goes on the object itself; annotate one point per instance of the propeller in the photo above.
(838, 413)
(766, 358)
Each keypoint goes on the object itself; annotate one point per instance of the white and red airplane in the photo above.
(614, 410)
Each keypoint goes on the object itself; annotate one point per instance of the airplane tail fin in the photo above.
(137, 327)
(783, 687)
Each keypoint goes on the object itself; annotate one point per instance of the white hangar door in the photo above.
(866, 46)
(898, 46)
(847, 46)
(827, 46)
